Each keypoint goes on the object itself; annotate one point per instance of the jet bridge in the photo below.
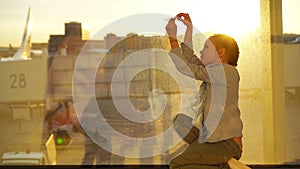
(22, 100)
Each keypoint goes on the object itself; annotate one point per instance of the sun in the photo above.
(231, 17)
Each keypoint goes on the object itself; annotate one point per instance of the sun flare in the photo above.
(226, 17)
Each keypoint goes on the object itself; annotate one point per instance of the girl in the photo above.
(216, 132)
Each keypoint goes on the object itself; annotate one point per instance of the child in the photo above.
(215, 136)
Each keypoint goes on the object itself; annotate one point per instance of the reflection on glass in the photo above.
(42, 124)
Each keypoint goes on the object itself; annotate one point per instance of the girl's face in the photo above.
(209, 54)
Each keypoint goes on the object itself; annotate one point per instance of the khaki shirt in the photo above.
(218, 117)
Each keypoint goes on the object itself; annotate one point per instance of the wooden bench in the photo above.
(235, 164)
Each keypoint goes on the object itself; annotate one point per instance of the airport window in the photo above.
(95, 84)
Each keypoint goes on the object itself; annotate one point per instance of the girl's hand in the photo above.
(185, 19)
(171, 28)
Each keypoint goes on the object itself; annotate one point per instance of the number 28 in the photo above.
(17, 81)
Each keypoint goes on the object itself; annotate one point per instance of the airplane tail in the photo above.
(23, 52)
(10, 50)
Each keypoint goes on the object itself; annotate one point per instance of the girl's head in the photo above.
(220, 47)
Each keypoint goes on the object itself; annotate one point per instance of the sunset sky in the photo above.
(49, 16)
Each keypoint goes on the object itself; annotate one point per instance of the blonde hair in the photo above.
(231, 46)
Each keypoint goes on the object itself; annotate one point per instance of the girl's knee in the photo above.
(182, 119)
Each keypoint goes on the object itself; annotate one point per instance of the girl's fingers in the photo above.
(182, 14)
(183, 17)
(179, 18)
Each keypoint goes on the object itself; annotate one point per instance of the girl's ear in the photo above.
(221, 52)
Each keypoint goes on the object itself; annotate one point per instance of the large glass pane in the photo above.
(98, 86)
(292, 82)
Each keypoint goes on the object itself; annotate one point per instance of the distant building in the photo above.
(110, 40)
(39, 46)
(72, 41)
(134, 42)
(73, 30)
